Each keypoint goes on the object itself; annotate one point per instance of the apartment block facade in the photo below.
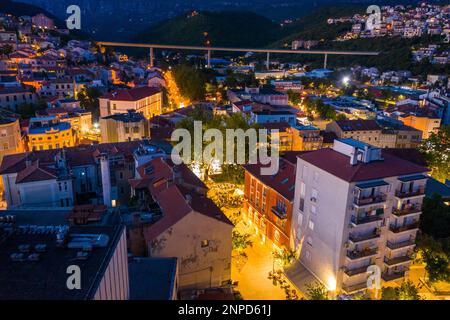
(356, 206)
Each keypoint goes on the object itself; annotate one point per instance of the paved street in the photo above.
(252, 278)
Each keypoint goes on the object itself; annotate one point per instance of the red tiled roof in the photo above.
(282, 182)
(281, 126)
(171, 187)
(35, 173)
(131, 94)
(339, 165)
(358, 125)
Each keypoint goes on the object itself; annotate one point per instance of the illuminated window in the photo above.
(205, 243)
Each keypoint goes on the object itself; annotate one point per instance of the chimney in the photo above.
(106, 180)
(354, 157)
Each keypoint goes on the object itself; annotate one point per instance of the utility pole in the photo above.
(268, 61)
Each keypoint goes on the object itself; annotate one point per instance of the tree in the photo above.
(285, 256)
(241, 241)
(341, 116)
(437, 153)
(435, 217)
(89, 100)
(7, 49)
(436, 260)
(294, 97)
(406, 291)
(190, 81)
(317, 291)
(388, 293)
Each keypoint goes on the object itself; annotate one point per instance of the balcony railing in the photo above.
(393, 276)
(354, 287)
(407, 210)
(362, 201)
(398, 229)
(367, 219)
(279, 212)
(412, 193)
(398, 245)
(355, 271)
(355, 254)
(358, 238)
(397, 260)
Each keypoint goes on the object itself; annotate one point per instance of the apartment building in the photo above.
(49, 133)
(379, 133)
(425, 123)
(12, 97)
(48, 250)
(146, 100)
(367, 131)
(355, 206)
(124, 127)
(295, 137)
(185, 224)
(59, 178)
(268, 201)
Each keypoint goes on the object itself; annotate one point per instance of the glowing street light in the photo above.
(346, 80)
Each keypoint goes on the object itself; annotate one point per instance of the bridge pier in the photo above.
(209, 59)
(325, 61)
(152, 57)
(268, 61)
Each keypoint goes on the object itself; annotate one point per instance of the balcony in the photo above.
(399, 229)
(355, 271)
(363, 201)
(354, 287)
(407, 210)
(358, 220)
(279, 212)
(355, 238)
(399, 245)
(397, 260)
(393, 276)
(410, 193)
(365, 253)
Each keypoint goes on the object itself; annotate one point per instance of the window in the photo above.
(65, 186)
(205, 243)
(316, 176)
(313, 209)
(59, 185)
(309, 241)
(314, 195)
(311, 225)
(121, 175)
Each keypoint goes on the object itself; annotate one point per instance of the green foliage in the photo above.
(389, 293)
(435, 217)
(241, 241)
(325, 111)
(221, 123)
(286, 257)
(406, 291)
(224, 28)
(435, 258)
(190, 81)
(317, 291)
(437, 153)
(7, 49)
(89, 100)
(294, 97)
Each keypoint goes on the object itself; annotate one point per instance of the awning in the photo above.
(412, 178)
(372, 184)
